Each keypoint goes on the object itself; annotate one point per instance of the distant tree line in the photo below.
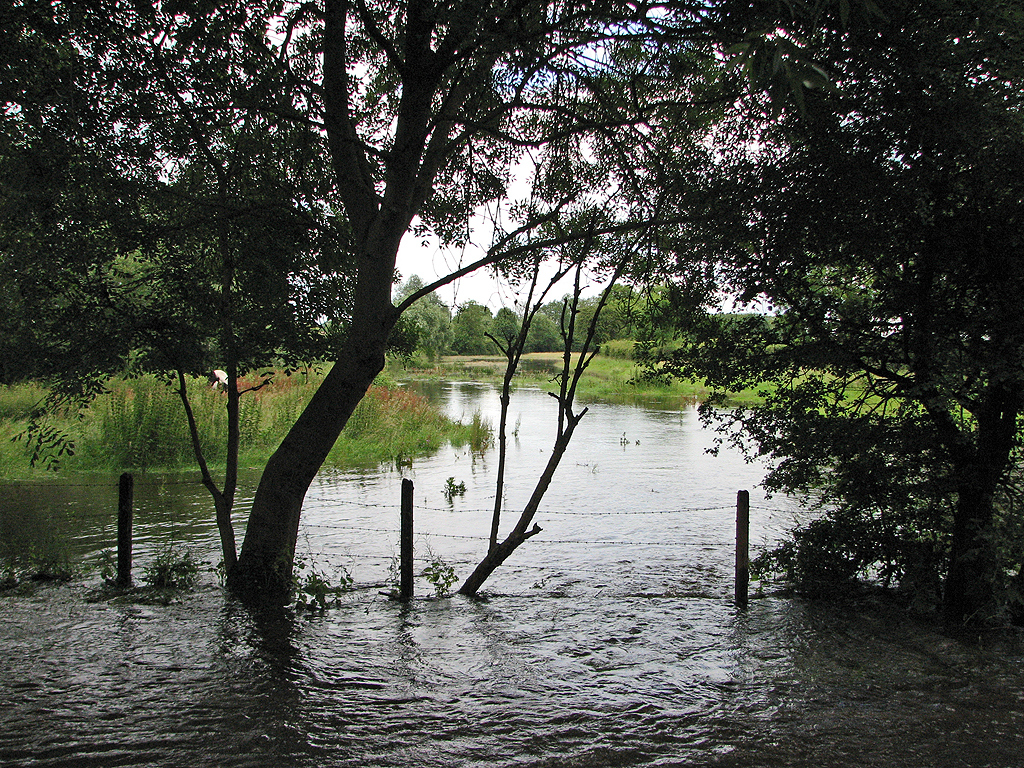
(432, 329)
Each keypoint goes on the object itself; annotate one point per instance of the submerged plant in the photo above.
(481, 433)
(173, 567)
(48, 560)
(315, 590)
(453, 489)
(440, 574)
(106, 562)
(8, 575)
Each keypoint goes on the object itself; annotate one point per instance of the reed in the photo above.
(140, 424)
(394, 424)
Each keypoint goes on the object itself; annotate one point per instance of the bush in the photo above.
(173, 568)
(844, 547)
(315, 590)
(441, 574)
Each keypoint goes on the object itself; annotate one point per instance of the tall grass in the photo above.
(393, 424)
(140, 424)
(17, 401)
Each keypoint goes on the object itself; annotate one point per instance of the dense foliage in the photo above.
(882, 230)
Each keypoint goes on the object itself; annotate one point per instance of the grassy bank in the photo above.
(614, 378)
(140, 425)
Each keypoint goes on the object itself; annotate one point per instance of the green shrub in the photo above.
(441, 574)
(173, 567)
(393, 424)
(141, 424)
(621, 349)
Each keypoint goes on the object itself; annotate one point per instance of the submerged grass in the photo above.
(140, 424)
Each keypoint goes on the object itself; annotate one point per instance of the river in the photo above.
(610, 639)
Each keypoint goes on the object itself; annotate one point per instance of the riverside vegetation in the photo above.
(138, 424)
(614, 375)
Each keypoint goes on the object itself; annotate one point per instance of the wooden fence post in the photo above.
(405, 542)
(742, 547)
(125, 494)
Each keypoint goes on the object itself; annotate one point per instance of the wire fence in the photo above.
(317, 534)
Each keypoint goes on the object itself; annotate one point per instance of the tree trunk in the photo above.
(500, 553)
(223, 501)
(502, 451)
(264, 568)
(971, 579)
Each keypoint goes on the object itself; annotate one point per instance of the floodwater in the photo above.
(610, 639)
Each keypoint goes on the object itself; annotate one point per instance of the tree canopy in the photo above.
(883, 229)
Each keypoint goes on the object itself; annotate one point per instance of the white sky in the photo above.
(425, 258)
(430, 262)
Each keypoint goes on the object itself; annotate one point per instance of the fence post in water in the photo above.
(742, 547)
(125, 493)
(405, 543)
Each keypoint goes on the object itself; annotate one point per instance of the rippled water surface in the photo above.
(608, 640)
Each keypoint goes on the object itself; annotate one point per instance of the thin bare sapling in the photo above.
(512, 348)
(568, 419)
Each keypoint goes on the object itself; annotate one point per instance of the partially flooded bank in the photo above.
(608, 640)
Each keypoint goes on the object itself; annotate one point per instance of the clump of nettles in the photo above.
(441, 575)
(438, 572)
(453, 489)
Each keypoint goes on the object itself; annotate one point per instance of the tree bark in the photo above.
(500, 553)
(222, 500)
(970, 581)
(264, 568)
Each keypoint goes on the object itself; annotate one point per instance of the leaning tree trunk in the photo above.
(567, 422)
(264, 568)
(498, 554)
